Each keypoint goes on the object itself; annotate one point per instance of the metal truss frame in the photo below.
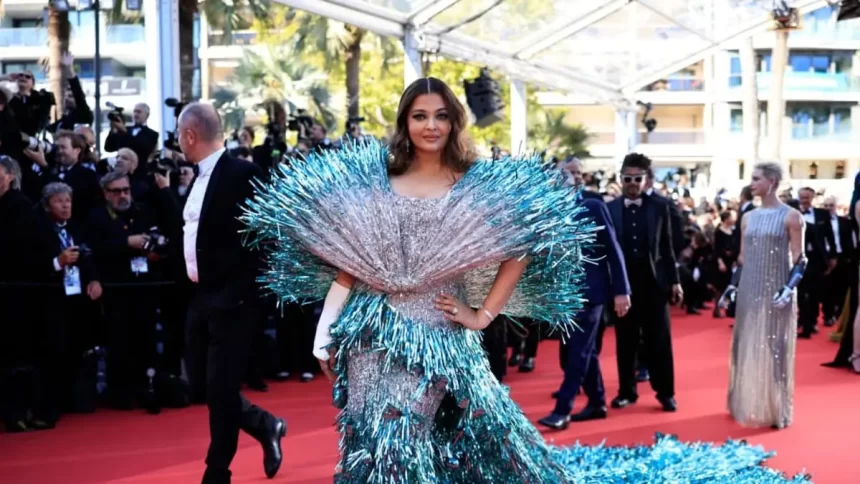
(520, 63)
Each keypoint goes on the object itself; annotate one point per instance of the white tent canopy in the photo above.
(606, 49)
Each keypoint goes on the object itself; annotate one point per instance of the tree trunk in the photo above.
(187, 54)
(59, 31)
(353, 71)
(776, 99)
(751, 116)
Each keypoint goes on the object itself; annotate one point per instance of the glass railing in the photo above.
(23, 37)
(806, 81)
(37, 37)
(655, 137)
(849, 30)
(677, 83)
(239, 37)
(801, 132)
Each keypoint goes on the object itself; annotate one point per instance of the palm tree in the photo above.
(339, 43)
(59, 32)
(278, 74)
(560, 139)
(776, 100)
(750, 105)
(223, 14)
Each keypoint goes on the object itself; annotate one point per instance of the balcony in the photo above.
(240, 37)
(820, 82)
(677, 83)
(38, 37)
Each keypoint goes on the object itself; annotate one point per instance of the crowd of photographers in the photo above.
(94, 293)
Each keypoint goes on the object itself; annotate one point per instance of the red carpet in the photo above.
(169, 449)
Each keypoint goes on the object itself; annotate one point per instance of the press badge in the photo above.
(139, 265)
(72, 281)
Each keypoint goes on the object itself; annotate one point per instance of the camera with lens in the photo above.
(176, 104)
(164, 165)
(115, 113)
(157, 242)
(84, 250)
(35, 144)
(300, 121)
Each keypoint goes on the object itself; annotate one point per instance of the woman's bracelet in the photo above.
(489, 314)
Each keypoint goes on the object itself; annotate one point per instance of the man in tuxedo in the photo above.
(139, 137)
(644, 231)
(604, 280)
(220, 318)
(67, 327)
(819, 236)
(839, 280)
(69, 170)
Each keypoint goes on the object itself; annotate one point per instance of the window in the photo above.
(813, 170)
(26, 23)
(817, 120)
(83, 18)
(842, 63)
(842, 120)
(736, 121)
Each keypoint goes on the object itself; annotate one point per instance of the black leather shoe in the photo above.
(527, 366)
(669, 404)
(516, 360)
(272, 455)
(621, 402)
(555, 421)
(589, 413)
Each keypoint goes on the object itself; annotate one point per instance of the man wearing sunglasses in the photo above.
(644, 231)
(32, 108)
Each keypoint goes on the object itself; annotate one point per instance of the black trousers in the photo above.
(835, 285)
(130, 315)
(496, 346)
(219, 340)
(809, 294)
(648, 318)
(296, 329)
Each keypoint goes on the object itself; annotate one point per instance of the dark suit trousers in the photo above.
(578, 356)
(219, 340)
(648, 316)
(496, 346)
(809, 299)
(836, 285)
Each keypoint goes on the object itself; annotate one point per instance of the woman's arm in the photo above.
(334, 301)
(510, 272)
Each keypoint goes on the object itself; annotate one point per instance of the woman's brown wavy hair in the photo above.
(459, 154)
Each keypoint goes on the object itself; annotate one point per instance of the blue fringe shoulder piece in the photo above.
(333, 210)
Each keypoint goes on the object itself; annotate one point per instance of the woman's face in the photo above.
(245, 138)
(429, 124)
(760, 185)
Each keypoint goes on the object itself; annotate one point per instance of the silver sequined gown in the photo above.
(761, 378)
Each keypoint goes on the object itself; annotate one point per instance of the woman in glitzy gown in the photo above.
(415, 248)
(770, 265)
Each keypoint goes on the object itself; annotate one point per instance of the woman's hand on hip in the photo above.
(459, 312)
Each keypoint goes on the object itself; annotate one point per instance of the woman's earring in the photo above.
(408, 146)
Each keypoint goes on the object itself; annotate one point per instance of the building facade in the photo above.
(699, 116)
(24, 46)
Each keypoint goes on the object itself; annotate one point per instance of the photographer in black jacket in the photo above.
(75, 108)
(138, 136)
(32, 108)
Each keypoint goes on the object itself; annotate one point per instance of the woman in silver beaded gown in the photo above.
(415, 248)
(761, 378)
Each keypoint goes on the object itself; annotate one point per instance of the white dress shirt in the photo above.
(193, 207)
(834, 222)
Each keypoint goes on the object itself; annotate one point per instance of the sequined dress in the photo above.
(761, 378)
(419, 402)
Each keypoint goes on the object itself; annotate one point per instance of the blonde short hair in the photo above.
(771, 170)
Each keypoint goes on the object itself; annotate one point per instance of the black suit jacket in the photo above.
(846, 238)
(608, 277)
(824, 231)
(676, 222)
(143, 144)
(660, 237)
(226, 269)
(50, 247)
(86, 192)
